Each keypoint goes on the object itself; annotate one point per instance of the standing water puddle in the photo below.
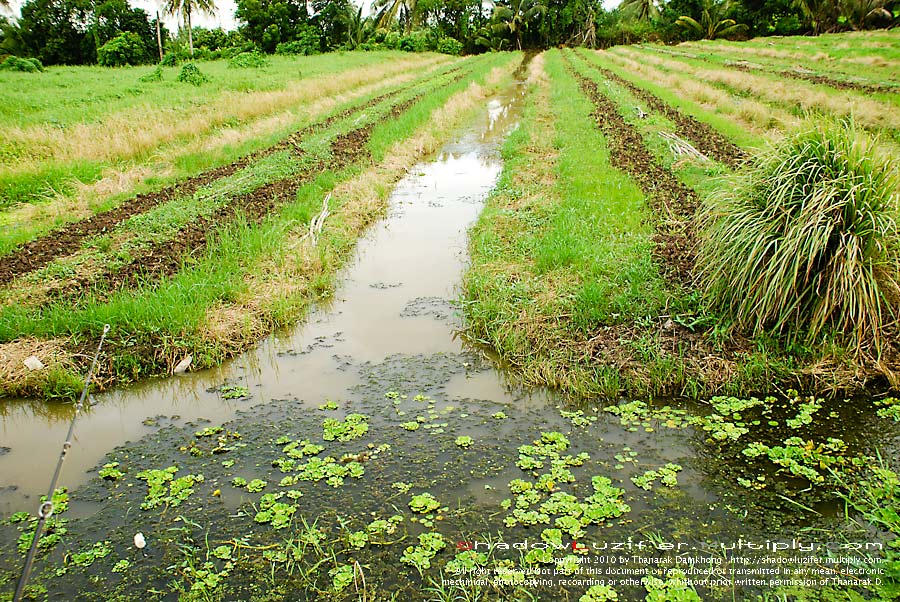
(420, 436)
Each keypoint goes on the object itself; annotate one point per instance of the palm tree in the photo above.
(185, 8)
(358, 27)
(391, 10)
(515, 16)
(642, 10)
(712, 24)
(822, 14)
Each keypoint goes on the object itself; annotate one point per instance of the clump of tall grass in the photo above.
(805, 240)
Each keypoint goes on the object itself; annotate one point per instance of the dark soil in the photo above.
(823, 80)
(791, 74)
(166, 257)
(37, 253)
(673, 203)
(701, 135)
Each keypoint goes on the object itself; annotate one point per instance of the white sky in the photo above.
(224, 16)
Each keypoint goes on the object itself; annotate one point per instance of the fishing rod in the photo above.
(45, 510)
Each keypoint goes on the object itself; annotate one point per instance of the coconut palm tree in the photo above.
(513, 17)
(184, 8)
(399, 10)
(642, 10)
(712, 23)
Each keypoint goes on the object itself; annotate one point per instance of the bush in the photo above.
(124, 49)
(14, 63)
(170, 59)
(449, 46)
(391, 40)
(308, 42)
(806, 239)
(248, 60)
(190, 74)
(413, 42)
(154, 76)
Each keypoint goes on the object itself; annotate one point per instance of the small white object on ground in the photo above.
(139, 542)
(182, 366)
(33, 363)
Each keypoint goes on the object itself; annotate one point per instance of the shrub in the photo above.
(124, 49)
(154, 76)
(449, 46)
(248, 60)
(391, 40)
(413, 42)
(170, 59)
(190, 74)
(14, 63)
(308, 42)
(806, 239)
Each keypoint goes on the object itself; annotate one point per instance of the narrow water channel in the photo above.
(385, 347)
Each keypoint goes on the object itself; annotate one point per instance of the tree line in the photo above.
(110, 32)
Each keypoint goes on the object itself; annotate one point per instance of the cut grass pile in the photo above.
(195, 311)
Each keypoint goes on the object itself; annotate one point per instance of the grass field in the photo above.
(204, 265)
(583, 271)
(584, 275)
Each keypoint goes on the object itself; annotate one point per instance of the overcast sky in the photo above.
(223, 17)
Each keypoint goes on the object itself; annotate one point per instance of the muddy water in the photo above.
(396, 298)
(387, 336)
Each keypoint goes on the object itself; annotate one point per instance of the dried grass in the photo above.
(138, 130)
(15, 376)
(750, 114)
(788, 93)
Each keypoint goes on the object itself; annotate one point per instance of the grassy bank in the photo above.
(257, 274)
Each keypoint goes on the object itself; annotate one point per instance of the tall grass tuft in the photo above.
(805, 240)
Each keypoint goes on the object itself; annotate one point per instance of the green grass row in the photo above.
(186, 164)
(699, 175)
(63, 96)
(551, 264)
(155, 322)
(45, 178)
(555, 269)
(720, 120)
(131, 238)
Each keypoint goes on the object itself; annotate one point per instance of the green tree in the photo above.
(572, 22)
(124, 49)
(184, 9)
(113, 17)
(821, 15)
(333, 19)
(56, 31)
(516, 16)
(713, 23)
(860, 13)
(268, 23)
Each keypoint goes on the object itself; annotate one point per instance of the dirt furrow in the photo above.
(167, 257)
(704, 137)
(673, 203)
(742, 65)
(37, 253)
